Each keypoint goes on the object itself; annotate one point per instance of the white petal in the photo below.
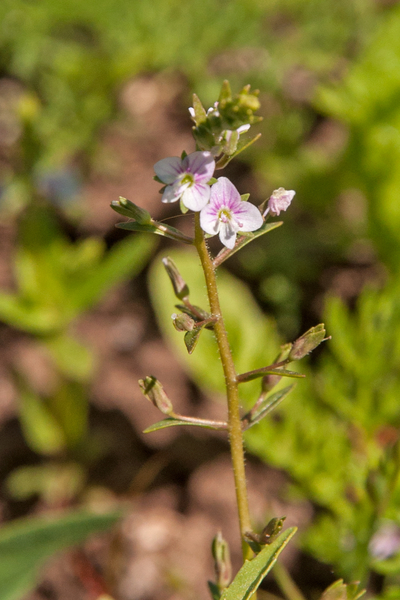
(209, 221)
(248, 216)
(171, 194)
(227, 234)
(169, 169)
(201, 165)
(196, 196)
(224, 193)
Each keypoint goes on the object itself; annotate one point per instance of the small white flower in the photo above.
(280, 200)
(187, 178)
(227, 214)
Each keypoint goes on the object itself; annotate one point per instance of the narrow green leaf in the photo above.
(27, 543)
(171, 422)
(266, 406)
(253, 571)
(243, 240)
(245, 377)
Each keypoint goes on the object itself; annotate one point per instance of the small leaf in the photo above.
(253, 571)
(265, 407)
(191, 338)
(243, 241)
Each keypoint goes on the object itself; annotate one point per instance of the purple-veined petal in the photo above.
(201, 165)
(196, 196)
(248, 217)
(209, 221)
(169, 169)
(227, 234)
(224, 193)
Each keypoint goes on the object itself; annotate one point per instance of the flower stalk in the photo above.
(234, 420)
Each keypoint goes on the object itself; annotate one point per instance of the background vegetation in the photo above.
(79, 79)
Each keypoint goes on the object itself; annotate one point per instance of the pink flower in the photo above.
(227, 214)
(187, 178)
(280, 200)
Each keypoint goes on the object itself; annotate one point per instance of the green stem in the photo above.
(234, 422)
(286, 583)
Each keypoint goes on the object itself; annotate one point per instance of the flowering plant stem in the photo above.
(234, 422)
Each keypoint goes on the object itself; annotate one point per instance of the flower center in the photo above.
(187, 179)
(225, 216)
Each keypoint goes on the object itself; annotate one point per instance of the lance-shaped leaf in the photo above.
(179, 420)
(342, 591)
(243, 240)
(158, 229)
(250, 375)
(263, 408)
(253, 571)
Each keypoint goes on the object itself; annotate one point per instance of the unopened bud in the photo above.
(183, 322)
(127, 208)
(154, 391)
(222, 561)
(308, 342)
(280, 200)
(180, 286)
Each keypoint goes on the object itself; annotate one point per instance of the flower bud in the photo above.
(280, 200)
(154, 391)
(128, 209)
(308, 342)
(180, 286)
(222, 561)
(183, 322)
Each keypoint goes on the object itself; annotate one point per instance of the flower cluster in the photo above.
(222, 210)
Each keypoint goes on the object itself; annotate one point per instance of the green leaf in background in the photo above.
(26, 544)
(252, 336)
(342, 591)
(73, 359)
(253, 571)
(40, 427)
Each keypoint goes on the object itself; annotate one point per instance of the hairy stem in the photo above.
(234, 423)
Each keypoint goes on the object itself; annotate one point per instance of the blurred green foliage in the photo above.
(329, 75)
